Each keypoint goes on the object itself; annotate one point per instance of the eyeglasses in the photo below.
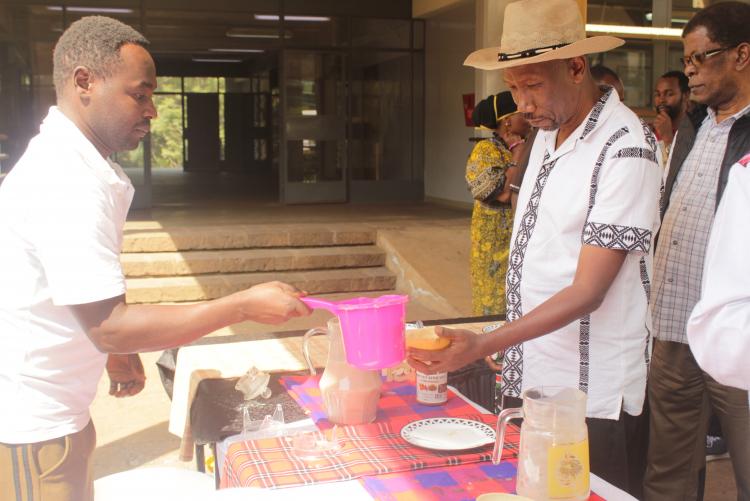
(699, 58)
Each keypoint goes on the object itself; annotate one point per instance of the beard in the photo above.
(672, 111)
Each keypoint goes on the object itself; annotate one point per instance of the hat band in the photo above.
(502, 56)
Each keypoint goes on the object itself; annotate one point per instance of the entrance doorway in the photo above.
(201, 133)
(315, 117)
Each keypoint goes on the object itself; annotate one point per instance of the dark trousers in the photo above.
(682, 397)
(617, 449)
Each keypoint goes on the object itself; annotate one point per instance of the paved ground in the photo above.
(432, 240)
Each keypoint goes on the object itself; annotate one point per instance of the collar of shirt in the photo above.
(57, 124)
(712, 115)
(598, 115)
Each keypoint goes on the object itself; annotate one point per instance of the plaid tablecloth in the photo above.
(415, 475)
(457, 483)
(369, 449)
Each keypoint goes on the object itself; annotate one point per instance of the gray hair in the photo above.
(93, 42)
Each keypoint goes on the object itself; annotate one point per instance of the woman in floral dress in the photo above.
(490, 171)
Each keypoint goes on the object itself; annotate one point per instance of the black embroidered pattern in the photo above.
(637, 152)
(647, 289)
(649, 135)
(614, 236)
(598, 166)
(595, 112)
(513, 358)
(583, 354)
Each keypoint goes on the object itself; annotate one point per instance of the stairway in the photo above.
(202, 263)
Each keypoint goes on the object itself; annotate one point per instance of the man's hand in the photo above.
(465, 348)
(273, 303)
(126, 376)
(663, 126)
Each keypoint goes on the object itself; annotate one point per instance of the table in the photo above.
(197, 379)
(356, 488)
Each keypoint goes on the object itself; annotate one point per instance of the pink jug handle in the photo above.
(306, 347)
(319, 304)
(502, 423)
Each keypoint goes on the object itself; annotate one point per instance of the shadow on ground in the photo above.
(131, 451)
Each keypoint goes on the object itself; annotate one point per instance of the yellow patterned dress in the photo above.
(491, 226)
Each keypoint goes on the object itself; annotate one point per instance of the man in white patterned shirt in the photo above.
(681, 396)
(580, 257)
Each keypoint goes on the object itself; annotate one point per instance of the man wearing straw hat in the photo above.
(578, 279)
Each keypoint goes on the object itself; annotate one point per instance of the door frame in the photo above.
(308, 193)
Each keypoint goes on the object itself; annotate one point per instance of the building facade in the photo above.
(309, 101)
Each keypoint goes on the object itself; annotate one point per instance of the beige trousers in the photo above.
(681, 397)
(53, 470)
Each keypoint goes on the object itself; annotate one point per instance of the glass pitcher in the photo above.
(350, 395)
(553, 460)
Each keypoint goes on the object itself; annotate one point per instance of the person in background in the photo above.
(716, 48)
(604, 75)
(581, 247)
(671, 99)
(62, 292)
(490, 171)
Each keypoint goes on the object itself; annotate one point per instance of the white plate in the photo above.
(448, 434)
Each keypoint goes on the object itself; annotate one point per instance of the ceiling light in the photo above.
(98, 10)
(650, 32)
(309, 113)
(215, 60)
(273, 17)
(237, 50)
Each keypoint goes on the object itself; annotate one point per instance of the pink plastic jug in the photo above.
(372, 327)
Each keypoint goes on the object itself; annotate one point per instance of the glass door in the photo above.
(314, 136)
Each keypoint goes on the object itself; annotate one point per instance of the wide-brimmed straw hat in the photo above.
(535, 31)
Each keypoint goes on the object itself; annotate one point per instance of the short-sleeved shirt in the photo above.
(62, 210)
(600, 187)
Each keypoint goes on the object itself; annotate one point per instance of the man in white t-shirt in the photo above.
(580, 256)
(62, 293)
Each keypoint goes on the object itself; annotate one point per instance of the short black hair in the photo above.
(600, 71)
(93, 42)
(727, 23)
(682, 80)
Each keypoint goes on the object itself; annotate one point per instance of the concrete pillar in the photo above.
(583, 4)
(662, 17)
(488, 31)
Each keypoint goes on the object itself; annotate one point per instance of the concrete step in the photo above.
(168, 264)
(203, 287)
(245, 237)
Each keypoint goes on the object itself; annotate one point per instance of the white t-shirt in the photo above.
(62, 210)
(600, 187)
(719, 327)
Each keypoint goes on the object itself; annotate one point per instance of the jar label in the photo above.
(568, 470)
(432, 388)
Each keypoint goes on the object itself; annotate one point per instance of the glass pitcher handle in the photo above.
(502, 423)
(306, 347)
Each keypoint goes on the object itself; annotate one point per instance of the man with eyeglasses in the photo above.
(716, 135)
